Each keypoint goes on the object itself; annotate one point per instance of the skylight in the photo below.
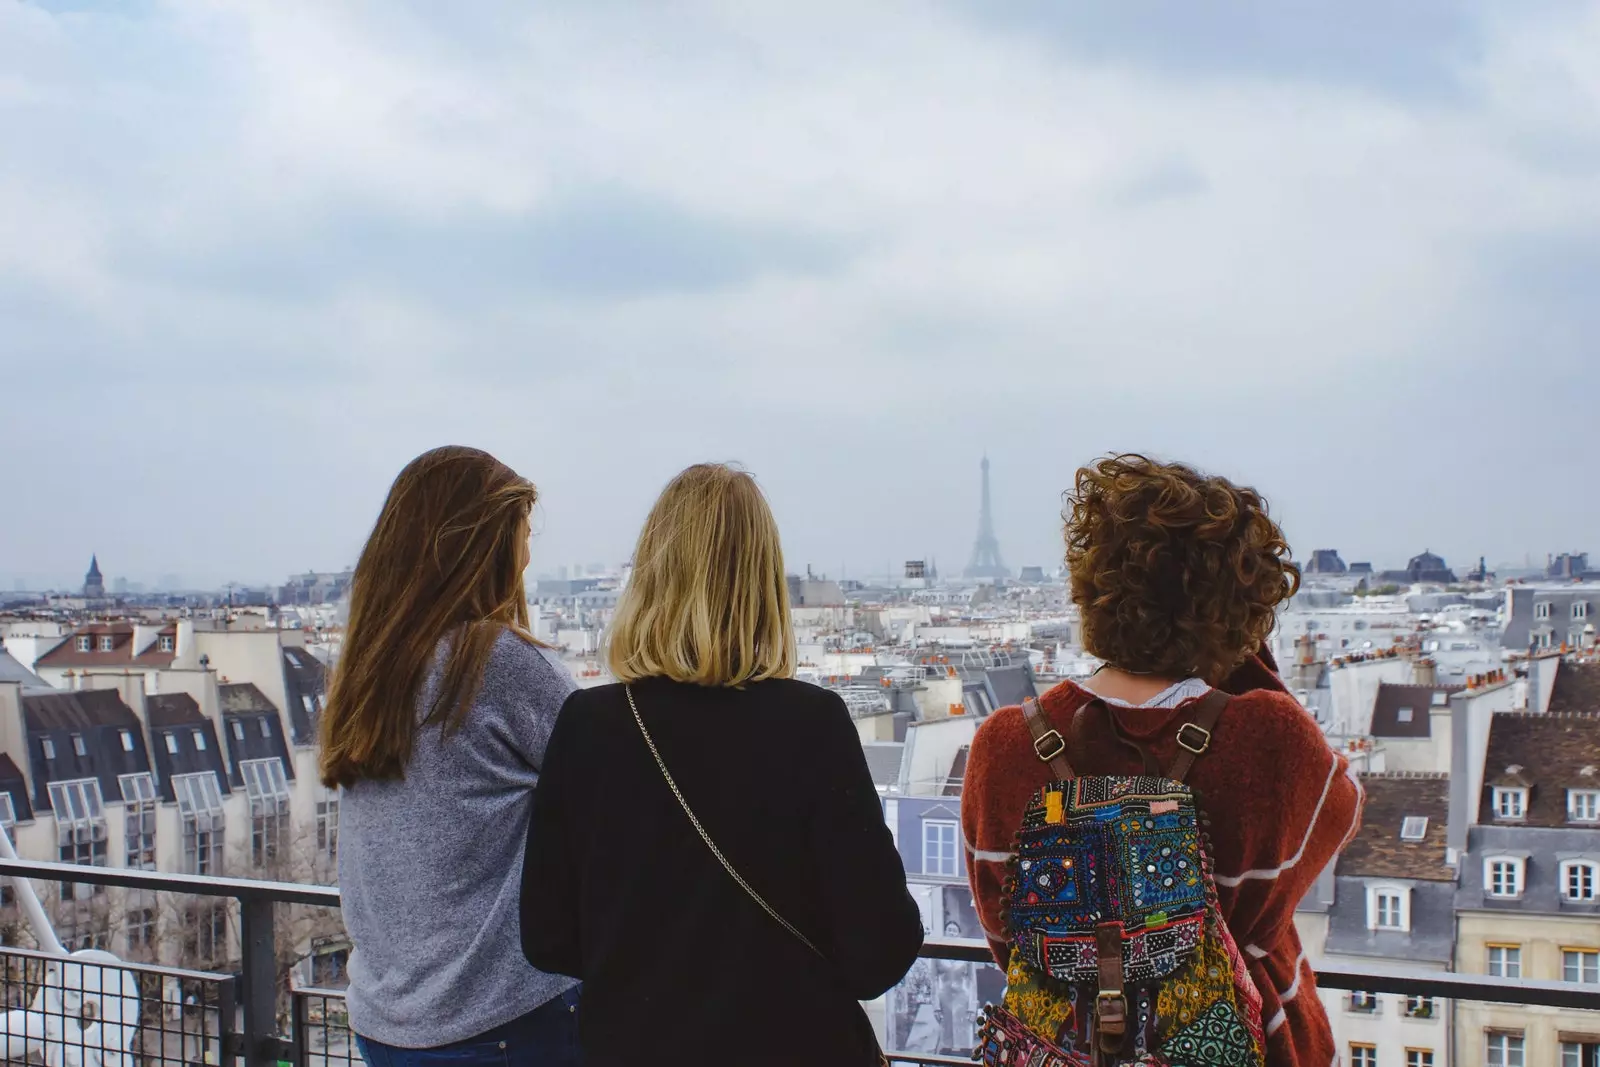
(1415, 828)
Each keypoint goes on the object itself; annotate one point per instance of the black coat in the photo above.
(679, 965)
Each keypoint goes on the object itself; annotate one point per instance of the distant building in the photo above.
(315, 587)
(1571, 566)
(1033, 575)
(94, 586)
(1549, 616)
(1361, 568)
(916, 568)
(1326, 561)
(1424, 568)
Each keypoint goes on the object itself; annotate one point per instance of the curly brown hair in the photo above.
(1175, 573)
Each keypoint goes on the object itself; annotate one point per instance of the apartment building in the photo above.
(1528, 904)
(174, 768)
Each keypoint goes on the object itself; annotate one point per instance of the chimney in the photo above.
(1425, 672)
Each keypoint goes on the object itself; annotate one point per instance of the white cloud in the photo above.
(872, 241)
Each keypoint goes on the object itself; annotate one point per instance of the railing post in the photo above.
(260, 990)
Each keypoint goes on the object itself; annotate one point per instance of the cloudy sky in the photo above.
(255, 256)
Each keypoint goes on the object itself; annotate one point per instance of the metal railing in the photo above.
(320, 1034)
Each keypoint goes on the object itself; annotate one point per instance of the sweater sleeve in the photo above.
(527, 684)
(988, 824)
(1316, 799)
(548, 913)
(874, 929)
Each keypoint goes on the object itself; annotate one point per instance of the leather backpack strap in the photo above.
(1048, 744)
(1194, 733)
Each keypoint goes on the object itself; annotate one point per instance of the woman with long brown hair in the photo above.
(435, 730)
(708, 852)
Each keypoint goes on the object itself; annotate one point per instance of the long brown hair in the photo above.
(444, 561)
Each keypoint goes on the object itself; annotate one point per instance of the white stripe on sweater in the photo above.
(984, 856)
(1285, 997)
(1271, 873)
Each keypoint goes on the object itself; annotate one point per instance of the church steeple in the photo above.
(94, 585)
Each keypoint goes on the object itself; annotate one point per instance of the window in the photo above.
(48, 747)
(80, 831)
(1541, 610)
(1441, 700)
(1580, 1054)
(1419, 1007)
(328, 824)
(939, 848)
(1414, 828)
(1505, 961)
(1578, 878)
(172, 743)
(164, 644)
(1363, 1055)
(199, 741)
(85, 644)
(238, 730)
(1419, 1057)
(1403, 715)
(1503, 877)
(266, 728)
(1386, 907)
(1505, 1050)
(1364, 1002)
(139, 820)
(1580, 609)
(141, 925)
(200, 811)
(107, 643)
(1580, 965)
(1583, 805)
(78, 747)
(1510, 803)
(205, 932)
(309, 702)
(268, 789)
(127, 740)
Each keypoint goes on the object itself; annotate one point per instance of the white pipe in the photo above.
(43, 932)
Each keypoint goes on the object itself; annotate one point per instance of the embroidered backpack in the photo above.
(1119, 954)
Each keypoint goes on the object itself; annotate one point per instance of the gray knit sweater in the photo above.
(430, 867)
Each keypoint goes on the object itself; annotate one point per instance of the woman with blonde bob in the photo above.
(708, 850)
(435, 730)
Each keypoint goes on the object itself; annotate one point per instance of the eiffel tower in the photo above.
(986, 549)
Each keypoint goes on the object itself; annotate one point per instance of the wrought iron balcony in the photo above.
(106, 1013)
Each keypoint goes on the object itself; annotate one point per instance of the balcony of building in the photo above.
(96, 1011)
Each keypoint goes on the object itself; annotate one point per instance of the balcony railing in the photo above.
(189, 1017)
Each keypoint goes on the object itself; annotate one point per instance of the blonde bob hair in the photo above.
(708, 601)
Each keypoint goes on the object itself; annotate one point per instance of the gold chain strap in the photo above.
(701, 830)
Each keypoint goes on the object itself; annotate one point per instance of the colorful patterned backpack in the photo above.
(1119, 955)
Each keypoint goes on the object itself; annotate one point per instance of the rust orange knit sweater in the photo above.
(1281, 804)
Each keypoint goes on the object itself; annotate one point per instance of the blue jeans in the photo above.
(545, 1037)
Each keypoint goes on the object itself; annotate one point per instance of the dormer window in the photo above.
(1510, 803)
(1579, 879)
(1414, 828)
(1502, 877)
(164, 644)
(1541, 610)
(1583, 805)
(1388, 908)
(85, 644)
(107, 643)
(1580, 609)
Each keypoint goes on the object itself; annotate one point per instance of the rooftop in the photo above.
(1381, 848)
(1547, 755)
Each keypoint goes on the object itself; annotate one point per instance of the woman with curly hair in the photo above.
(1177, 576)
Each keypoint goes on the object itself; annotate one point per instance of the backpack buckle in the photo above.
(1051, 738)
(1197, 747)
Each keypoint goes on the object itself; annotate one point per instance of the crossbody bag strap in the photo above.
(701, 830)
(1194, 733)
(1048, 744)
